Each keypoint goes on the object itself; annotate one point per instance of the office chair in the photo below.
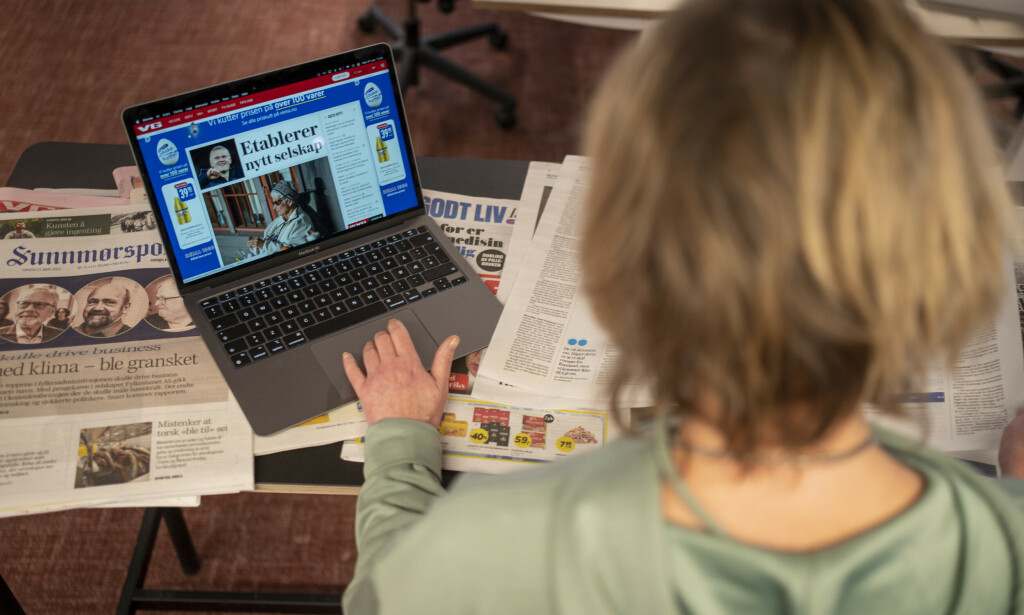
(1012, 85)
(411, 51)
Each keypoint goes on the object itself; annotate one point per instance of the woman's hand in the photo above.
(1011, 448)
(395, 384)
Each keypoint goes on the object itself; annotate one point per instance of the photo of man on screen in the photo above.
(222, 168)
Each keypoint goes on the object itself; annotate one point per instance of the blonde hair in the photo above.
(794, 207)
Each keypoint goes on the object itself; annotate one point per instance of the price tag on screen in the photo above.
(185, 190)
(387, 131)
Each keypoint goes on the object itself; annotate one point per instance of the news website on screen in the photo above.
(241, 179)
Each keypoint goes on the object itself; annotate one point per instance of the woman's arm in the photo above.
(402, 404)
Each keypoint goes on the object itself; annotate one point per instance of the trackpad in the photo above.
(328, 352)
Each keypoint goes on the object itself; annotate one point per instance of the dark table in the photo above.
(317, 469)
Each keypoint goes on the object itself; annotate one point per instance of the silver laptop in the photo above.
(295, 225)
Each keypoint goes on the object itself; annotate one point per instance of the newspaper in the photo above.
(19, 200)
(547, 338)
(481, 230)
(540, 181)
(139, 416)
(497, 438)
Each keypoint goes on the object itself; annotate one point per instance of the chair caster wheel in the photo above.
(499, 39)
(506, 117)
(365, 22)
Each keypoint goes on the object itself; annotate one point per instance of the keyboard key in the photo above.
(231, 333)
(224, 322)
(235, 346)
(394, 302)
(322, 314)
(258, 352)
(417, 280)
(293, 339)
(411, 295)
(430, 292)
(226, 296)
(440, 271)
(345, 320)
(241, 359)
(213, 311)
(459, 280)
(205, 303)
(421, 239)
(353, 303)
(275, 346)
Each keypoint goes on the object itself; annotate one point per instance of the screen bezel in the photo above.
(255, 84)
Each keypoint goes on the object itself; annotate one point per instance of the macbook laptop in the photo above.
(295, 226)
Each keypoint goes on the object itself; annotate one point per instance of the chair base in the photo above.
(412, 52)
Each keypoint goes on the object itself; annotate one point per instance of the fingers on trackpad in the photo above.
(328, 352)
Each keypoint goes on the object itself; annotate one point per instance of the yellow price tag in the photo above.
(523, 440)
(565, 444)
(479, 436)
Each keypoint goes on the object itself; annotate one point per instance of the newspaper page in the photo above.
(130, 185)
(19, 200)
(107, 394)
(481, 230)
(540, 181)
(547, 338)
(966, 408)
(478, 436)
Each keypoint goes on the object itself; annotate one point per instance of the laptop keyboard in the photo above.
(287, 310)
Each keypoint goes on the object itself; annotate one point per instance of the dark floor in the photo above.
(68, 68)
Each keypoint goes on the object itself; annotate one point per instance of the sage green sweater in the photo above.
(586, 536)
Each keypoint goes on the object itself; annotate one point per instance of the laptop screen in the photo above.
(244, 171)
